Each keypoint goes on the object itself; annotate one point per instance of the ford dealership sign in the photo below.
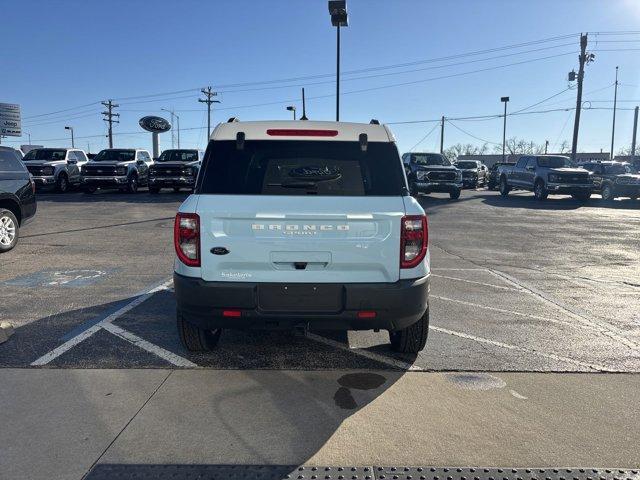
(154, 124)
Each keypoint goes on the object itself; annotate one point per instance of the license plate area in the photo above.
(300, 298)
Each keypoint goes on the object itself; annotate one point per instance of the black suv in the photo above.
(614, 179)
(123, 168)
(431, 172)
(175, 169)
(17, 197)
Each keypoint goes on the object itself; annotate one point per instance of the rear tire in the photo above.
(196, 339)
(9, 230)
(454, 195)
(413, 338)
(504, 187)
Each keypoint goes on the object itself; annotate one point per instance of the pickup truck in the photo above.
(57, 168)
(301, 223)
(544, 175)
(432, 172)
(123, 168)
(614, 179)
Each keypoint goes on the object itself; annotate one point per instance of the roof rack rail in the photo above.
(233, 119)
(374, 121)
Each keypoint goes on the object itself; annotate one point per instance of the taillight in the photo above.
(186, 238)
(414, 237)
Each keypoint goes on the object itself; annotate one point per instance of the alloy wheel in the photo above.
(7, 231)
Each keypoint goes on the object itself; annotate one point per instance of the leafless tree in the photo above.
(454, 151)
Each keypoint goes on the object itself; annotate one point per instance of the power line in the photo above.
(471, 135)
(542, 101)
(425, 137)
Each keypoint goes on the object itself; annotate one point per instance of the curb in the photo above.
(6, 330)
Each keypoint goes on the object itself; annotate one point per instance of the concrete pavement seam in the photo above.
(127, 424)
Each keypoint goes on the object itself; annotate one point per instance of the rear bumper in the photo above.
(397, 305)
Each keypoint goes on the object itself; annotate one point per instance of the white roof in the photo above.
(346, 131)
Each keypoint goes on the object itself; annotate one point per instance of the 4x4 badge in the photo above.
(219, 251)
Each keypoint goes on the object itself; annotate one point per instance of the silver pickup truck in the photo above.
(544, 175)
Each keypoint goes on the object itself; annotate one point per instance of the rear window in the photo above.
(285, 167)
(553, 162)
(10, 162)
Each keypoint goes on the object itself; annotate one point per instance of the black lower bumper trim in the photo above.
(396, 305)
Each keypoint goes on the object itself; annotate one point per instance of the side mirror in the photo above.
(530, 167)
(72, 162)
(140, 162)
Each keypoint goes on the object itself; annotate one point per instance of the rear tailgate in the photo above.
(303, 239)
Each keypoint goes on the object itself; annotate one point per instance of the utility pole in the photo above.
(615, 101)
(442, 135)
(583, 58)
(633, 141)
(304, 107)
(208, 93)
(108, 117)
(504, 127)
(546, 146)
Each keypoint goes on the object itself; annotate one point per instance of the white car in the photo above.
(297, 224)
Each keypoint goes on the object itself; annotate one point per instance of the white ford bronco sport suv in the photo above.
(301, 224)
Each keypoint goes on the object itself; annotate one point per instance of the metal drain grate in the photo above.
(295, 472)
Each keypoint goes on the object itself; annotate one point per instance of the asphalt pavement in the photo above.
(535, 307)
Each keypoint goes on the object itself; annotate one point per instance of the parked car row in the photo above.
(125, 169)
(546, 175)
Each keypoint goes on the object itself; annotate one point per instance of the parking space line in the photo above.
(82, 336)
(392, 362)
(603, 327)
(170, 357)
(552, 356)
(477, 283)
(510, 312)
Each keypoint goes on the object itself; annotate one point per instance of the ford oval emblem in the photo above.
(219, 251)
(154, 124)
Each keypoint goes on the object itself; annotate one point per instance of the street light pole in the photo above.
(504, 127)
(72, 142)
(173, 114)
(292, 108)
(339, 18)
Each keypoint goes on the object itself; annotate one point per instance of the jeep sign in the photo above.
(154, 124)
(10, 122)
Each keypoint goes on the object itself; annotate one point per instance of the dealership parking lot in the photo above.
(517, 286)
(532, 304)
